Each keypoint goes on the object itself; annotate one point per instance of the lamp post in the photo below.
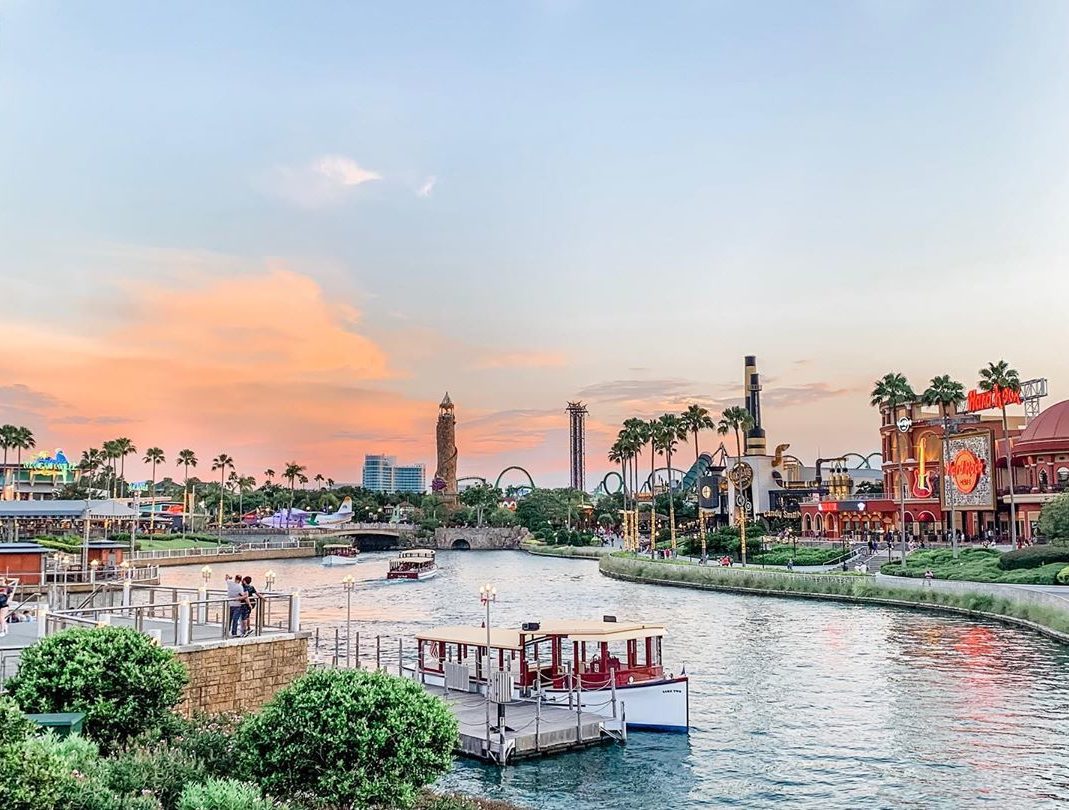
(124, 566)
(269, 578)
(206, 574)
(487, 595)
(347, 583)
(93, 566)
(903, 425)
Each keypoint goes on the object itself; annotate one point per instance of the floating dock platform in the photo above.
(531, 728)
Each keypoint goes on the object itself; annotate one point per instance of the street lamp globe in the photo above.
(269, 577)
(347, 582)
(206, 573)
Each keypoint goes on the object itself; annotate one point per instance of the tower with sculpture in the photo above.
(444, 483)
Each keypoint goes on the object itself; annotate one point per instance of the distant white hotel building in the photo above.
(383, 474)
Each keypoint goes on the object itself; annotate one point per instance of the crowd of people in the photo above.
(242, 598)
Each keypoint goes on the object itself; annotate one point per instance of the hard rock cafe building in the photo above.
(975, 478)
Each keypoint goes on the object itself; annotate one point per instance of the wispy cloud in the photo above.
(427, 187)
(22, 397)
(326, 180)
(793, 395)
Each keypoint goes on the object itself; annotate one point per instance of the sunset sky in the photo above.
(284, 230)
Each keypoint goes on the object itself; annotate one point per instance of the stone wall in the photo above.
(241, 675)
(480, 539)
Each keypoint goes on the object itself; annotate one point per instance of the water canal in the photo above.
(794, 703)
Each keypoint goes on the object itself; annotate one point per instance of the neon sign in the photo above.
(965, 470)
(995, 398)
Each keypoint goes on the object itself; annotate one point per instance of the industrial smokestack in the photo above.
(751, 382)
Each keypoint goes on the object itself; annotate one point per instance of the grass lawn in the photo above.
(974, 565)
(178, 541)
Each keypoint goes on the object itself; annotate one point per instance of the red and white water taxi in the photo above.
(415, 563)
(567, 661)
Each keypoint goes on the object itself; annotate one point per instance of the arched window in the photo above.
(1063, 475)
(1043, 479)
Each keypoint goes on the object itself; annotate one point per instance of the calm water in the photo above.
(794, 703)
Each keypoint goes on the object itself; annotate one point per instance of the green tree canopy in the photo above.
(1054, 520)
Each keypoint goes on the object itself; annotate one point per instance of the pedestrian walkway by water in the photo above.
(794, 703)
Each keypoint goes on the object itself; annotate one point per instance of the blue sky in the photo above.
(531, 202)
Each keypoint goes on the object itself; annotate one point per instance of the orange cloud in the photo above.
(262, 365)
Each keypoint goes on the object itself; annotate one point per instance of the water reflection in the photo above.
(799, 703)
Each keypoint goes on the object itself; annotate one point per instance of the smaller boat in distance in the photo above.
(340, 555)
(415, 563)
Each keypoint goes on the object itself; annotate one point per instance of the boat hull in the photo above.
(421, 575)
(332, 560)
(662, 705)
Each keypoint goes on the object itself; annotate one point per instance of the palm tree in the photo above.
(695, 419)
(153, 456)
(222, 462)
(7, 442)
(668, 431)
(319, 479)
(111, 455)
(618, 455)
(23, 440)
(269, 474)
(123, 447)
(1000, 377)
(245, 483)
(330, 483)
(90, 463)
(738, 419)
(945, 393)
(292, 472)
(186, 459)
(890, 392)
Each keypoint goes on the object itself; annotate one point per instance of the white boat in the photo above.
(566, 662)
(340, 555)
(412, 564)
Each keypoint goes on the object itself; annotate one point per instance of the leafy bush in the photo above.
(349, 738)
(225, 794)
(803, 555)
(1054, 520)
(14, 725)
(162, 772)
(1033, 557)
(66, 544)
(210, 740)
(1063, 576)
(123, 682)
(33, 776)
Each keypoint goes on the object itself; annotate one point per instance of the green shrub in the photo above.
(209, 739)
(14, 725)
(1063, 576)
(225, 794)
(123, 682)
(349, 738)
(66, 544)
(33, 776)
(1033, 557)
(162, 772)
(803, 555)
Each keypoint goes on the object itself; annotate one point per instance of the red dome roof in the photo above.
(1046, 431)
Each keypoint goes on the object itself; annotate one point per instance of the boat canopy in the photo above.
(508, 639)
(337, 545)
(417, 553)
(500, 639)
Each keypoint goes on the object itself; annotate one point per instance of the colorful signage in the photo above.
(968, 481)
(995, 398)
(44, 464)
(965, 469)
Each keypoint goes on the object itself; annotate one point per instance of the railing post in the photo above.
(378, 653)
(184, 616)
(126, 593)
(400, 657)
(202, 604)
(42, 619)
(358, 649)
(295, 612)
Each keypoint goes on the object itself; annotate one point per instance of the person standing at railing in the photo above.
(249, 606)
(236, 599)
(5, 596)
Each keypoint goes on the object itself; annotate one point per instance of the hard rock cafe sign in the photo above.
(967, 480)
(965, 469)
(995, 398)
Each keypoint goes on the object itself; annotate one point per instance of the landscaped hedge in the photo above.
(803, 555)
(66, 544)
(1033, 557)
(976, 565)
(1063, 576)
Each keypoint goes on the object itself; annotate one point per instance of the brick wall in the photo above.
(243, 674)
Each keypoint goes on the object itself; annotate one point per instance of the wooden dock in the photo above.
(530, 729)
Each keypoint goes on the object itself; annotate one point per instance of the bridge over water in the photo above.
(384, 536)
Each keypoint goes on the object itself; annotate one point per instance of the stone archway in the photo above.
(460, 544)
